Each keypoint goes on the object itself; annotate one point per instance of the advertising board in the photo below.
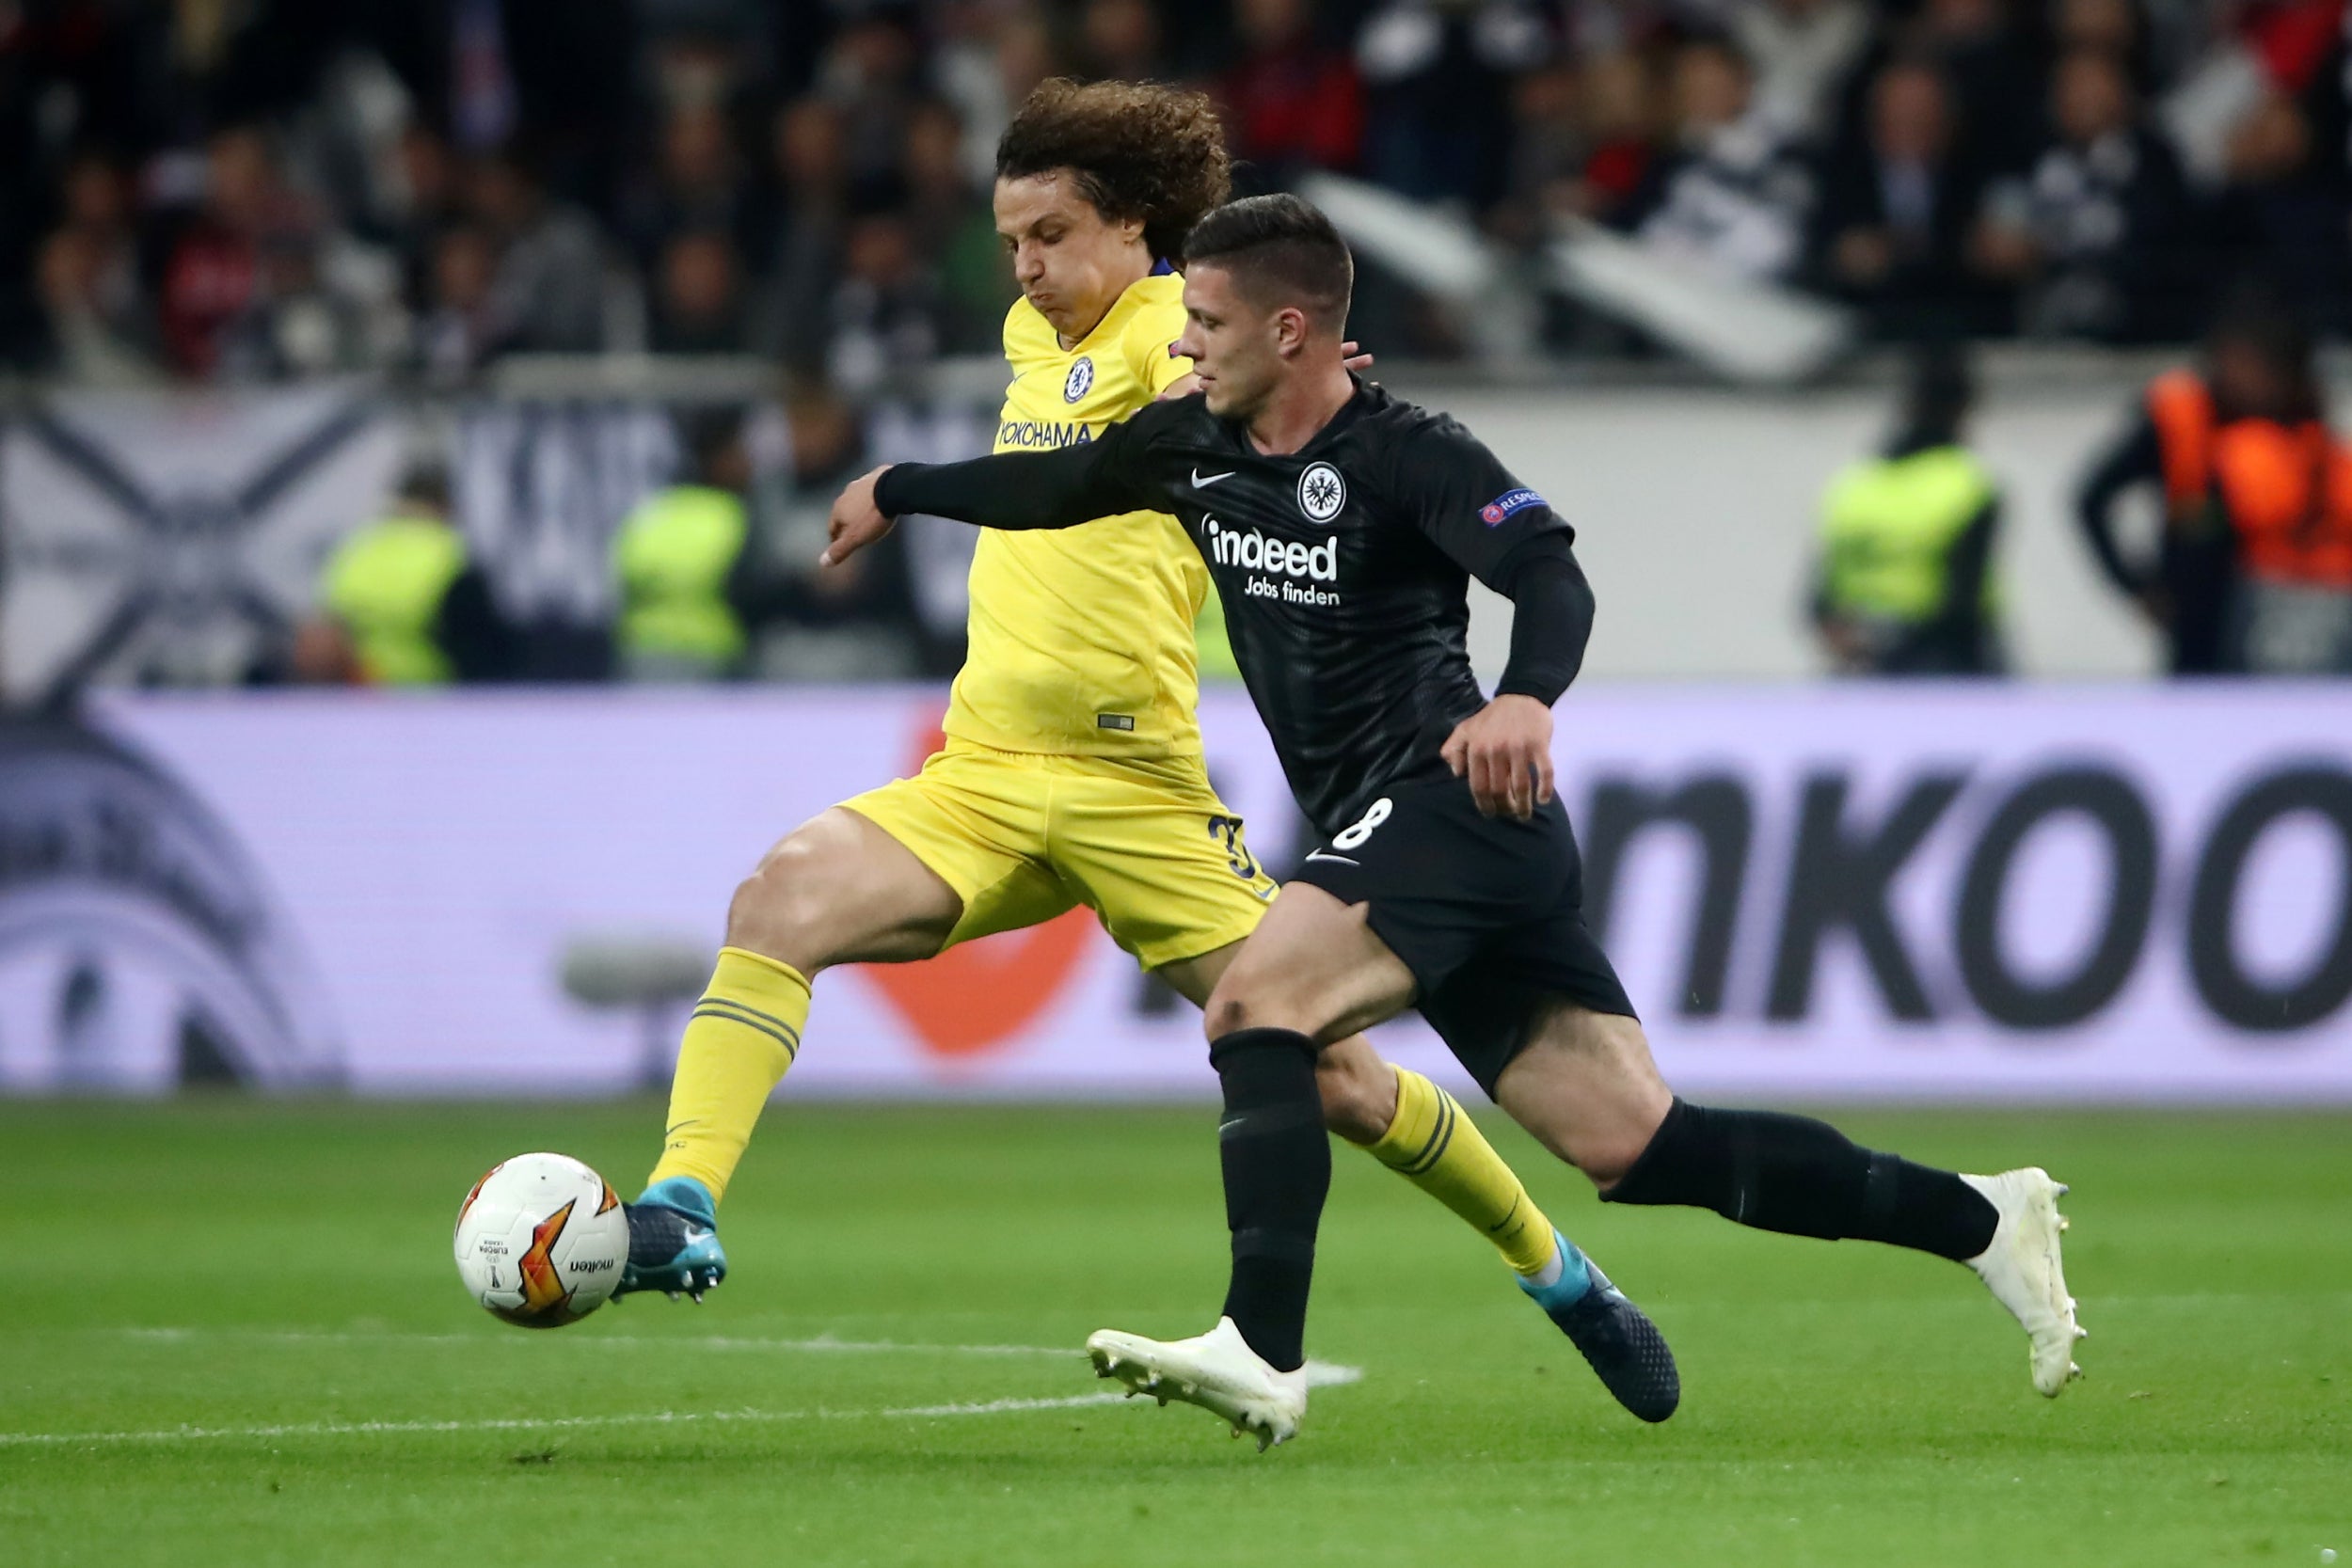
(1891, 893)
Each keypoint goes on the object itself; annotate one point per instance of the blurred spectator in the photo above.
(852, 622)
(2097, 231)
(955, 229)
(1549, 153)
(1895, 210)
(1802, 50)
(550, 286)
(402, 603)
(96, 313)
(991, 54)
(1291, 102)
(1119, 40)
(426, 196)
(679, 560)
(872, 75)
(1438, 75)
(1733, 194)
(697, 185)
(215, 292)
(699, 303)
(1907, 586)
(807, 221)
(2110, 27)
(2282, 213)
(885, 316)
(1622, 112)
(1991, 73)
(2252, 565)
(461, 328)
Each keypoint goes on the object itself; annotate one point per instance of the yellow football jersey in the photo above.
(1081, 638)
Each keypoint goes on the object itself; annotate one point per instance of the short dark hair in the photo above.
(1137, 150)
(1282, 251)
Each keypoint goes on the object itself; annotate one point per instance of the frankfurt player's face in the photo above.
(1234, 346)
(1070, 263)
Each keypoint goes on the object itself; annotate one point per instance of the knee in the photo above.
(776, 911)
(1229, 1007)
(1606, 1157)
(1239, 1003)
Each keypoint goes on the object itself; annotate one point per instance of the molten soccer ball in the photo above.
(541, 1241)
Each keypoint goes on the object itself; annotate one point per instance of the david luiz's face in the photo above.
(1070, 261)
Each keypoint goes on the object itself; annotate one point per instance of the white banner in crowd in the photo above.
(1889, 892)
(173, 537)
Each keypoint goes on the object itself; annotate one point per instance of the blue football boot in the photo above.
(1616, 1336)
(673, 1241)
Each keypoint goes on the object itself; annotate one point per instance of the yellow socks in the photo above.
(742, 1036)
(1435, 1147)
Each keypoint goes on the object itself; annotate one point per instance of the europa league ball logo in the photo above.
(138, 947)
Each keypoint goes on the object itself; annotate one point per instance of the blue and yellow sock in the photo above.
(738, 1044)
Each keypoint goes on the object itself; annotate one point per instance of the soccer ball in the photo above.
(541, 1241)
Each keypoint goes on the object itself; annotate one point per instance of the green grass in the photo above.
(226, 1266)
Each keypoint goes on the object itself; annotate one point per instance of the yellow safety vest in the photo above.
(673, 556)
(386, 584)
(1888, 527)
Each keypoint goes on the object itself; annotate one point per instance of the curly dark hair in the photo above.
(1137, 150)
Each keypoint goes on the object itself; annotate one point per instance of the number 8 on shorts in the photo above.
(1373, 815)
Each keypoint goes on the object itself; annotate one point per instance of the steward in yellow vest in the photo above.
(1906, 586)
(404, 602)
(679, 560)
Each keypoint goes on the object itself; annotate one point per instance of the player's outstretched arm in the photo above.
(1010, 490)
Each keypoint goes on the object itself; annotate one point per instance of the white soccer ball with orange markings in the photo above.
(541, 1241)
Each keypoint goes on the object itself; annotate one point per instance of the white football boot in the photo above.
(1216, 1370)
(2022, 1270)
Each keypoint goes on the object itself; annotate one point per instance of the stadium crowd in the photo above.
(241, 192)
(244, 189)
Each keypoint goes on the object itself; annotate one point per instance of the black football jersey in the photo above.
(1344, 568)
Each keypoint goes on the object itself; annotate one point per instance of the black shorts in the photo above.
(1489, 914)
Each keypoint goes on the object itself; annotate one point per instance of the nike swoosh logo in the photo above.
(1224, 1127)
(1199, 483)
(1342, 859)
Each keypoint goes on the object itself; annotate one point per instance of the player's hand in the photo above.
(1504, 751)
(856, 522)
(1183, 386)
(1352, 355)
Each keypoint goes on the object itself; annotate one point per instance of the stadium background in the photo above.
(263, 263)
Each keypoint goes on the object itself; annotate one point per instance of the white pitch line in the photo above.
(554, 1423)
(821, 1344)
(1320, 1374)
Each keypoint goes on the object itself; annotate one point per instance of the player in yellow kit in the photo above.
(1073, 768)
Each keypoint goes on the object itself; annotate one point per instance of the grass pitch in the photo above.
(232, 1333)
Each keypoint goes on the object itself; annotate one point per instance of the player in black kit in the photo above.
(1342, 526)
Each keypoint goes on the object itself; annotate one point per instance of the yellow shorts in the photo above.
(1023, 836)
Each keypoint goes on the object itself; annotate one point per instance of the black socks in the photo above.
(1805, 1177)
(1277, 1171)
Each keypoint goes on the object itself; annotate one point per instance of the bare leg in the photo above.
(1359, 1089)
(839, 890)
(1588, 1090)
